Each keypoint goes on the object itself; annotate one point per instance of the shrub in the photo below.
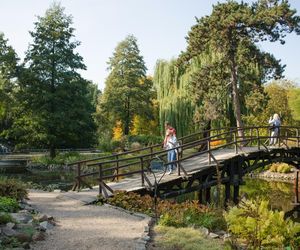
(5, 218)
(188, 213)
(280, 167)
(185, 238)
(8, 205)
(135, 145)
(256, 225)
(13, 188)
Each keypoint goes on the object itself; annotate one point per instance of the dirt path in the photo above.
(86, 226)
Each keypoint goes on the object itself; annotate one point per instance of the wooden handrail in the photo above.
(140, 160)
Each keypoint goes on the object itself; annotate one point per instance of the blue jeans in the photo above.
(171, 157)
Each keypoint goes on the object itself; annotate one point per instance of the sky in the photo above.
(160, 27)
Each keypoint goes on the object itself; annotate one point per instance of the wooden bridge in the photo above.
(207, 158)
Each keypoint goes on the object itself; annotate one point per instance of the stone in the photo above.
(204, 231)
(45, 225)
(226, 236)
(146, 229)
(8, 232)
(220, 232)
(26, 245)
(10, 225)
(22, 217)
(42, 217)
(38, 236)
(22, 237)
(213, 235)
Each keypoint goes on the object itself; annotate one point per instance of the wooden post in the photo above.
(296, 187)
(258, 141)
(79, 176)
(142, 172)
(117, 158)
(200, 196)
(235, 143)
(236, 189)
(207, 195)
(208, 153)
(177, 163)
(251, 134)
(100, 178)
(297, 135)
(227, 194)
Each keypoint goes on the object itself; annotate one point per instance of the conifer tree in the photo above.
(57, 98)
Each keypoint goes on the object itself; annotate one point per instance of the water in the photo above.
(45, 179)
(280, 195)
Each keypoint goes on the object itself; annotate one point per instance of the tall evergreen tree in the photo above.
(127, 91)
(232, 23)
(8, 81)
(54, 93)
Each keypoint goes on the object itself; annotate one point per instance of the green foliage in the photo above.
(12, 188)
(184, 238)
(127, 91)
(280, 167)
(188, 213)
(175, 104)
(5, 218)
(228, 37)
(8, 205)
(294, 102)
(56, 100)
(258, 226)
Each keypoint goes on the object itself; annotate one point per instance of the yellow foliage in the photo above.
(143, 126)
(217, 143)
(117, 131)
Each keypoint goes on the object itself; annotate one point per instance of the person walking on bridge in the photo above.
(275, 124)
(171, 143)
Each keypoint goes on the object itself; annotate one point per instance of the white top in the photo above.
(171, 142)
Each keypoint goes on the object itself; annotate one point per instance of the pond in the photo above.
(44, 178)
(279, 194)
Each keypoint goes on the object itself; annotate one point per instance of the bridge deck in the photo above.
(191, 165)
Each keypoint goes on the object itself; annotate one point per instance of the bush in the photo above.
(188, 213)
(13, 188)
(8, 205)
(5, 218)
(252, 222)
(135, 145)
(280, 168)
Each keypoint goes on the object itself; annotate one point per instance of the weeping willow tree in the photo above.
(175, 105)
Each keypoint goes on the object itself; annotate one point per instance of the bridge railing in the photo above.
(125, 164)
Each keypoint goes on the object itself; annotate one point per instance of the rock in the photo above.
(226, 236)
(146, 229)
(204, 231)
(220, 233)
(22, 217)
(8, 232)
(42, 217)
(26, 245)
(38, 236)
(213, 235)
(45, 225)
(10, 225)
(22, 237)
(57, 191)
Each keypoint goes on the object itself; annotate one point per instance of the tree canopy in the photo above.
(55, 97)
(233, 27)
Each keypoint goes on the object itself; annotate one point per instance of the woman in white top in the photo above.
(170, 144)
(275, 124)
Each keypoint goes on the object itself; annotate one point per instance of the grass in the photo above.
(185, 239)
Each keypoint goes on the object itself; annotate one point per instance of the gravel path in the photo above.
(86, 226)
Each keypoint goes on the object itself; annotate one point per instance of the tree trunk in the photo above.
(205, 134)
(235, 92)
(52, 152)
(127, 118)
